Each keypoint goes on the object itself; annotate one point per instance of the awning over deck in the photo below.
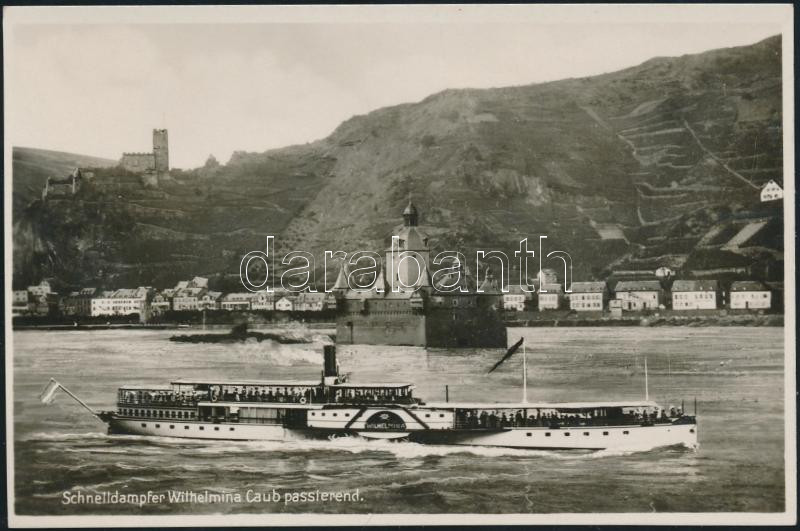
(262, 405)
(372, 385)
(250, 383)
(539, 405)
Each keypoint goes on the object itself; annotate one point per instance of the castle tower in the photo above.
(161, 150)
(408, 272)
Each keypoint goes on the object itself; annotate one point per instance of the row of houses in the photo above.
(639, 295)
(194, 295)
(190, 295)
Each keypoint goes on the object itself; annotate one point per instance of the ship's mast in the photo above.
(646, 390)
(524, 375)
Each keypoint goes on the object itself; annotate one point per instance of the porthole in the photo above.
(202, 428)
(626, 432)
(605, 433)
(691, 430)
(216, 428)
(441, 415)
(566, 434)
(144, 425)
(529, 434)
(186, 427)
(586, 433)
(335, 414)
(231, 429)
(313, 414)
(158, 425)
(347, 414)
(427, 415)
(547, 434)
(172, 426)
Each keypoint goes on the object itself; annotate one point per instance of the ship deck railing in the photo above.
(489, 423)
(194, 402)
(186, 402)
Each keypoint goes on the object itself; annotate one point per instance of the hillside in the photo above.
(33, 166)
(629, 170)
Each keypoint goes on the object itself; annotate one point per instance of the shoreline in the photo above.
(694, 320)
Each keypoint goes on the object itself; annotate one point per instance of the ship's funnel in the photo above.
(330, 361)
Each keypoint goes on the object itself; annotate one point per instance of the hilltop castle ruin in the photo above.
(156, 162)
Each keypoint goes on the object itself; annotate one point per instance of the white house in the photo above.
(694, 294)
(19, 302)
(310, 301)
(187, 298)
(515, 299)
(750, 295)
(263, 301)
(236, 301)
(549, 296)
(122, 302)
(209, 300)
(284, 304)
(588, 296)
(42, 289)
(771, 191)
(162, 301)
(639, 294)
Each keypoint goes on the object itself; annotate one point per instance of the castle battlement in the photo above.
(154, 161)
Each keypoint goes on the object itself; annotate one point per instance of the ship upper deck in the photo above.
(559, 406)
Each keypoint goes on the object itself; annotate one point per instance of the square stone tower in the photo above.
(161, 150)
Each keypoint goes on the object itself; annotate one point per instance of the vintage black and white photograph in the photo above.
(464, 264)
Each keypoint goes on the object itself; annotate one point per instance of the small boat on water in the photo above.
(332, 406)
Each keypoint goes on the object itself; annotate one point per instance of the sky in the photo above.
(100, 87)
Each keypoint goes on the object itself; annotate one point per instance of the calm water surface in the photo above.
(736, 374)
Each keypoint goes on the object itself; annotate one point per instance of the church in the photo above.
(403, 307)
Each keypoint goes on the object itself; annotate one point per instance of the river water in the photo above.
(736, 374)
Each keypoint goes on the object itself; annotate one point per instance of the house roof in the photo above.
(551, 288)
(588, 287)
(188, 292)
(516, 289)
(748, 285)
(238, 297)
(695, 285)
(309, 296)
(638, 285)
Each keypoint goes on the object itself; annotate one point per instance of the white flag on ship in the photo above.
(49, 393)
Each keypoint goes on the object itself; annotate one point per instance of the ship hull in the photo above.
(538, 438)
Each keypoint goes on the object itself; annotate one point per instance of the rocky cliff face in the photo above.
(627, 170)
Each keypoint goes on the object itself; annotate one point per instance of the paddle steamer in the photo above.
(332, 407)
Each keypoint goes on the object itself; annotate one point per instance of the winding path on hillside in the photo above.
(717, 159)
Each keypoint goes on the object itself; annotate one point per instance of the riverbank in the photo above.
(122, 326)
(717, 318)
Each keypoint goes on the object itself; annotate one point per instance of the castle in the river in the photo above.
(404, 307)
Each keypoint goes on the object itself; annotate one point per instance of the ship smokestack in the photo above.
(330, 361)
